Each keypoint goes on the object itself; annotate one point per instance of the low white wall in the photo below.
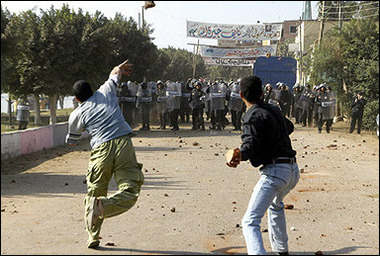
(18, 143)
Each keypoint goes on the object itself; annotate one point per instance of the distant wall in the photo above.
(23, 142)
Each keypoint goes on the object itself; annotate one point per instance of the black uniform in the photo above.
(197, 106)
(357, 113)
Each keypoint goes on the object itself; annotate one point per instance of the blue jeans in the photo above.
(275, 183)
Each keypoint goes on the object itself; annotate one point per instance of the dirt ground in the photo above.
(191, 202)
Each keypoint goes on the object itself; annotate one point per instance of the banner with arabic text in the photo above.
(228, 62)
(234, 32)
(262, 51)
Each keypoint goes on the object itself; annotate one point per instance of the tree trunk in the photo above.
(10, 109)
(53, 108)
(37, 111)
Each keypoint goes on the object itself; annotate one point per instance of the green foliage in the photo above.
(348, 60)
(228, 73)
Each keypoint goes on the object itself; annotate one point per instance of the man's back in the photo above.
(100, 115)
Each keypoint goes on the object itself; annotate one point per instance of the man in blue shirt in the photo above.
(112, 151)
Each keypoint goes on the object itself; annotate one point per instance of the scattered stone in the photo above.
(172, 209)
(85, 182)
(166, 195)
(318, 253)
(13, 181)
(302, 170)
(292, 228)
(59, 154)
(264, 230)
(195, 143)
(238, 225)
(109, 244)
(66, 184)
(216, 154)
(2, 210)
(289, 206)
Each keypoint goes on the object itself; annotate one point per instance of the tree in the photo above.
(348, 60)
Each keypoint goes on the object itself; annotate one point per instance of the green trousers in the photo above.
(113, 158)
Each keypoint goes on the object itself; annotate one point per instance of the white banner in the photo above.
(234, 32)
(228, 62)
(209, 52)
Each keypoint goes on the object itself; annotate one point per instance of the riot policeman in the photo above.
(217, 93)
(271, 95)
(284, 99)
(173, 91)
(326, 104)
(235, 106)
(144, 99)
(197, 105)
(161, 104)
(185, 108)
(306, 100)
(296, 106)
(127, 100)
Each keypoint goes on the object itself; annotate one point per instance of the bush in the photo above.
(371, 110)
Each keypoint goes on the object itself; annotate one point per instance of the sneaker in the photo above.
(92, 244)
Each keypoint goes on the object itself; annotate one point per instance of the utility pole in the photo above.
(195, 59)
(322, 23)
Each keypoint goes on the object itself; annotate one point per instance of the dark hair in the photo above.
(82, 90)
(251, 87)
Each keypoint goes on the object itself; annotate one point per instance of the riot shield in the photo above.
(161, 99)
(327, 106)
(218, 95)
(273, 97)
(235, 103)
(185, 96)
(128, 95)
(173, 91)
(144, 95)
(153, 87)
(306, 98)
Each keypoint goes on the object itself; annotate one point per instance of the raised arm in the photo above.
(124, 68)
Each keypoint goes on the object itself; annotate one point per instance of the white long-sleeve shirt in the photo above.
(100, 116)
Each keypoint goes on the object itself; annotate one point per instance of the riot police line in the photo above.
(169, 104)
(310, 107)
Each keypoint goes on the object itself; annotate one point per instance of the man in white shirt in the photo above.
(112, 151)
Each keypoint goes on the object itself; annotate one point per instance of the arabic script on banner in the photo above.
(234, 32)
(228, 62)
(261, 51)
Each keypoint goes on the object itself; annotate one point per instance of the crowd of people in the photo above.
(171, 103)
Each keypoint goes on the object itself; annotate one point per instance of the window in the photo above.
(293, 29)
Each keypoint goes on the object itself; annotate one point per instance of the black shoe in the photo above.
(282, 253)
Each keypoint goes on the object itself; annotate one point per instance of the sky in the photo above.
(168, 18)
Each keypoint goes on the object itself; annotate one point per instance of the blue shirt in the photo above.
(100, 116)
